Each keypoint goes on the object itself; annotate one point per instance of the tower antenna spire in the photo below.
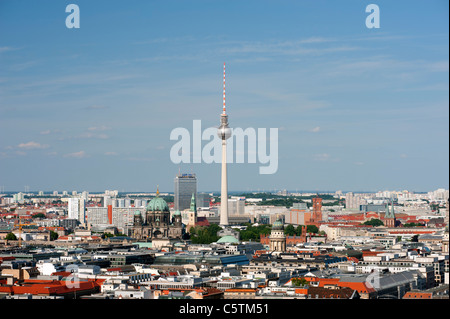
(224, 132)
(224, 108)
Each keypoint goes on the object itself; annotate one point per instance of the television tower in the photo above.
(224, 133)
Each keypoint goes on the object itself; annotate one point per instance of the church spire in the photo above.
(193, 203)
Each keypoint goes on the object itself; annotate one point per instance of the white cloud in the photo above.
(322, 157)
(80, 154)
(325, 157)
(99, 128)
(96, 107)
(92, 135)
(32, 145)
(6, 49)
(315, 130)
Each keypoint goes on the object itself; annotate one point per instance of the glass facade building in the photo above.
(185, 186)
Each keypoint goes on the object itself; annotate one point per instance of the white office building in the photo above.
(76, 208)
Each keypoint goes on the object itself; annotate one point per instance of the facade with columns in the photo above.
(277, 238)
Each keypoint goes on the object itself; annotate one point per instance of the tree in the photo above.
(312, 229)
(204, 235)
(38, 215)
(298, 230)
(53, 235)
(413, 225)
(299, 282)
(373, 222)
(290, 230)
(10, 236)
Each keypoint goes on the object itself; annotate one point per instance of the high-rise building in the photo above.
(236, 206)
(120, 217)
(185, 186)
(354, 201)
(76, 208)
(203, 200)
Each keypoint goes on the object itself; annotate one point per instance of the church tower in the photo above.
(389, 217)
(277, 238)
(193, 203)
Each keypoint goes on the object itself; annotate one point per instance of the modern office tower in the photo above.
(107, 201)
(97, 216)
(224, 133)
(354, 201)
(18, 198)
(121, 202)
(236, 206)
(203, 200)
(85, 196)
(120, 217)
(185, 186)
(138, 203)
(76, 207)
(111, 193)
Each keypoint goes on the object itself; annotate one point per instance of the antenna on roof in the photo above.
(224, 108)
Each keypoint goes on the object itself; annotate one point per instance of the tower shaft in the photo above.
(224, 187)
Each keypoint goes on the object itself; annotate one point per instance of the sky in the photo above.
(92, 108)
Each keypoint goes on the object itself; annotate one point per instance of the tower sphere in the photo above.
(224, 132)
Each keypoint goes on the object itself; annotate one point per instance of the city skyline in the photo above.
(357, 109)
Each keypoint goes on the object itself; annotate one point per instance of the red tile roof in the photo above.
(418, 295)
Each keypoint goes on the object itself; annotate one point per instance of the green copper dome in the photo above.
(277, 224)
(228, 239)
(158, 204)
(177, 212)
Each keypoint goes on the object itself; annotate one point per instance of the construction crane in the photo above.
(20, 225)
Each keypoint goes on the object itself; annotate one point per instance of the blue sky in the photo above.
(92, 108)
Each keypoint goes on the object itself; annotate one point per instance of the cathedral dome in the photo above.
(228, 239)
(177, 213)
(157, 204)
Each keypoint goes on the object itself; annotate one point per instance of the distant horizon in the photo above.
(47, 192)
